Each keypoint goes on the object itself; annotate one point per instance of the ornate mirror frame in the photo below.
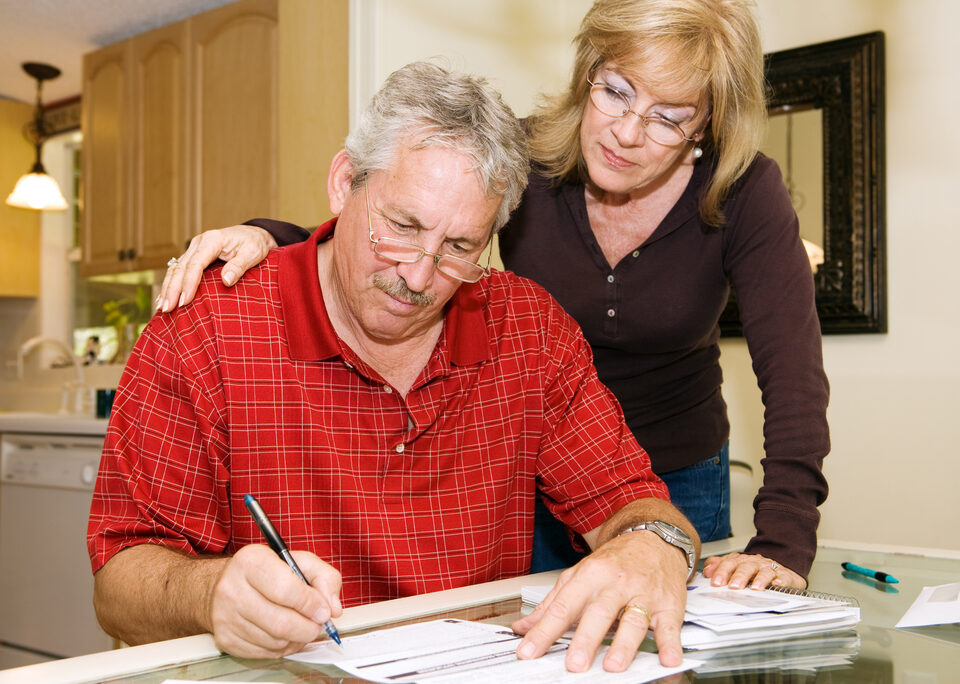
(845, 80)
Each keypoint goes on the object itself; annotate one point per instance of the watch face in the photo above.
(680, 540)
(674, 531)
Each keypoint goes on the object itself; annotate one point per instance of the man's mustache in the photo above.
(398, 289)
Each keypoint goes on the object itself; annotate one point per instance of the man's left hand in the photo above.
(636, 577)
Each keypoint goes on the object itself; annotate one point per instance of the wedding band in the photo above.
(775, 566)
(173, 262)
(637, 607)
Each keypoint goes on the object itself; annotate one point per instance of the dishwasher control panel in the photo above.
(60, 461)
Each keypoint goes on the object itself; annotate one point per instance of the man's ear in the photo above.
(338, 181)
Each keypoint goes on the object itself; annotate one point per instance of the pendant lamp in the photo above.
(37, 189)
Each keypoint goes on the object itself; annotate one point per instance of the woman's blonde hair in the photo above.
(708, 49)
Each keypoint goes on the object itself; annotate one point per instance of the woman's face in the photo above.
(620, 157)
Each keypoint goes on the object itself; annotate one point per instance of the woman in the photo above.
(648, 201)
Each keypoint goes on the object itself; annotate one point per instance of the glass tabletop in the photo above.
(867, 654)
(228, 668)
(874, 652)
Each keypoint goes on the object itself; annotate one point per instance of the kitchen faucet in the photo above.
(81, 397)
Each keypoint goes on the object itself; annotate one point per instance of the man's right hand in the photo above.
(259, 608)
(242, 247)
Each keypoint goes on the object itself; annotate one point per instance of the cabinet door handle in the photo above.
(121, 255)
(131, 253)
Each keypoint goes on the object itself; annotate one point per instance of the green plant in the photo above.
(127, 316)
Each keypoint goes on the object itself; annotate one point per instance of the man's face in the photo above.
(429, 197)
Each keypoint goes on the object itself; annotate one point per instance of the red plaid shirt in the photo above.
(249, 390)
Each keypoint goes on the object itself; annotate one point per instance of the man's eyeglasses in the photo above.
(404, 252)
(612, 102)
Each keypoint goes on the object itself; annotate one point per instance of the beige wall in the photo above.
(522, 46)
(19, 238)
(19, 228)
(893, 470)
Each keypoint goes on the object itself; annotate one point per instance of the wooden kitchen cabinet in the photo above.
(159, 227)
(107, 144)
(179, 135)
(234, 113)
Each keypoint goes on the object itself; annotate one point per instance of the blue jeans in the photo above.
(701, 491)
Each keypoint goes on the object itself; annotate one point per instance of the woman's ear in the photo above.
(339, 180)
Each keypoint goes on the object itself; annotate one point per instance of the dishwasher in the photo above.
(46, 587)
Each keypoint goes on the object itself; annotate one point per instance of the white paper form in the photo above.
(458, 650)
(938, 605)
(704, 599)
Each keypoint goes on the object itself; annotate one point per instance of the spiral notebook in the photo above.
(720, 616)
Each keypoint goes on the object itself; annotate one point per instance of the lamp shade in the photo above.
(37, 191)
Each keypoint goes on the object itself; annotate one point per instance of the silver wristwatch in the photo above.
(670, 534)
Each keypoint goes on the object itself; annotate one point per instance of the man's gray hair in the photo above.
(442, 108)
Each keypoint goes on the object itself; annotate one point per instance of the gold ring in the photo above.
(637, 607)
(173, 262)
(775, 566)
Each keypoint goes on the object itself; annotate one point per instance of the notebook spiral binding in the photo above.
(821, 595)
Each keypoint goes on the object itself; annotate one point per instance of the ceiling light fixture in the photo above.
(37, 189)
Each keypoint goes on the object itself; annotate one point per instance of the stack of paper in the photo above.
(719, 616)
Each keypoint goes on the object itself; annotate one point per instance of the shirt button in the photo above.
(609, 278)
(399, 448)
(636, 253)
(611, 313)
(388, 389)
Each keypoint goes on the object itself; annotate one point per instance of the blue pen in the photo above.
(867, 572)
(276, 543)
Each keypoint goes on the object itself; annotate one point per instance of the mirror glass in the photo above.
(826, 130)
(795, 140)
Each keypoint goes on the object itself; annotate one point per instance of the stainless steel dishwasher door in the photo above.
(46, 587)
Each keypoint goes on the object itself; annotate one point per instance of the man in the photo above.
(395, 416)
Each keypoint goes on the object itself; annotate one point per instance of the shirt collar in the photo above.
(310, 334)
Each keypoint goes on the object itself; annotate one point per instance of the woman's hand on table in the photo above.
(739, 570)
(242, 247)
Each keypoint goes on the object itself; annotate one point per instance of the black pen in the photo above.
(276, 543)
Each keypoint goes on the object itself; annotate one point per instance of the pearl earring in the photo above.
(697, 152)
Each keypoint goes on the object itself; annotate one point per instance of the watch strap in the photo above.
(671, 534)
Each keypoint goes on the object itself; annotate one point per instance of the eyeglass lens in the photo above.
(408, 253)
(405, 252)
(612, 102)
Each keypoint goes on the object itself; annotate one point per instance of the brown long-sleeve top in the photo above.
(652, 321)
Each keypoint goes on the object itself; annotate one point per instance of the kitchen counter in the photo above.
(51, 423)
